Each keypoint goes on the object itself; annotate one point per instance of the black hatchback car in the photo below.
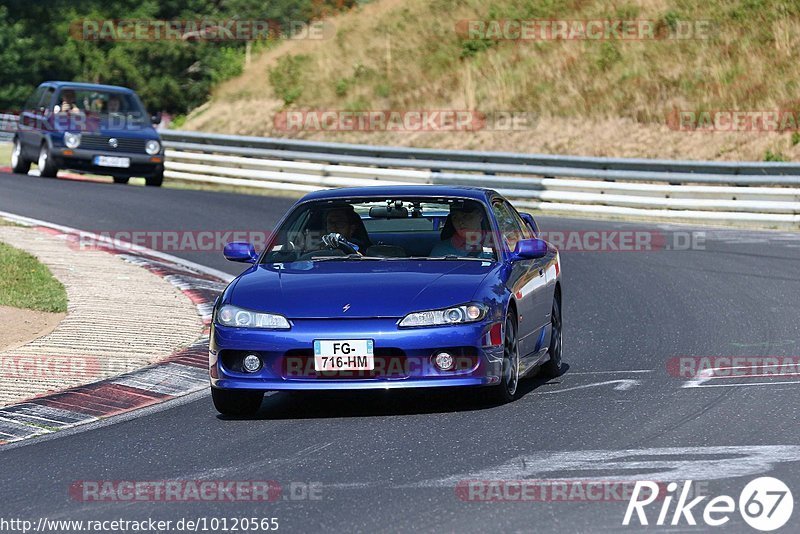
(97, 129)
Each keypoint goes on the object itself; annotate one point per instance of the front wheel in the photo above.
(552, 367)
(19, 165)
(121, 179)
(155, 180)
(47, 167)
(236, 402)
(506, 390)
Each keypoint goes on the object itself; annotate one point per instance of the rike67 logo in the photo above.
(765, 504)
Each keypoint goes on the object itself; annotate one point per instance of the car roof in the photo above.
(88, 86)
(388, 191)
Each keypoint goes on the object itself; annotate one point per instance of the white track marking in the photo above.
(609, 372)
(672, 463)
(621, 385)
(709, 374)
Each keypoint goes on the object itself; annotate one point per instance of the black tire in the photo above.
(19, 165)
(552, 367)
(155, 180)
(508, 388)
(236, 402)
(121, 179)
(47, 168)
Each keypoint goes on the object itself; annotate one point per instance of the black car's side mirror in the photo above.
(155, 118)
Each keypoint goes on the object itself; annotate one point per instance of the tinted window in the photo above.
(509, 223)
(392, 228)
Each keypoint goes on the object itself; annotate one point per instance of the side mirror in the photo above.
(529, 249)
(240, 252)
(155, 118)
(528, 218)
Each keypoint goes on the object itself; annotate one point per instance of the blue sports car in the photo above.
(389, 287)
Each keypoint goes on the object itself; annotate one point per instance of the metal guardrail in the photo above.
(726, 192)
(8, 125)
(757, 192)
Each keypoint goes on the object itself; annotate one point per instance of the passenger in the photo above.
(463, 234)
(114, 104)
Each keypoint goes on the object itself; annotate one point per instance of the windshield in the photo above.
(391, 229)
(110, 105)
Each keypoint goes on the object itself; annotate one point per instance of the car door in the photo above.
(35, 120)
(527, 281)
(27, 121)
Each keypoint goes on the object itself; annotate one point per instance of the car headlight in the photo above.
(229, 315)
(72, 140)
(152, 147)
(467, 313)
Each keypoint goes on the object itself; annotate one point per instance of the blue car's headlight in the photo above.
(467, 313)
(229, 315)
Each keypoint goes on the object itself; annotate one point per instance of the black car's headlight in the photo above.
(72, 140)
(152, 147)
(466, 313)
(234, 316)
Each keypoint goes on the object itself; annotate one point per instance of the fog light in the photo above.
(251, 363)
(443, 361)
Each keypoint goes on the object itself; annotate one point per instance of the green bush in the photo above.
(286, 78)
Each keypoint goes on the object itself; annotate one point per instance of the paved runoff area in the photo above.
(112, 303)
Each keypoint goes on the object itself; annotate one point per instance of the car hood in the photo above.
(389, 288)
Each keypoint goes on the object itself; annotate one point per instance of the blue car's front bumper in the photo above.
(403, 357)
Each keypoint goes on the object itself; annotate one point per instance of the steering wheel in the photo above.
(336, 241)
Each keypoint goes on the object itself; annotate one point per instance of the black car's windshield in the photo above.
(107, 104)
(389, 229)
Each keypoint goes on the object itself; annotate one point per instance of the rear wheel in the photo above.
(19, 164)
(47, 168)
(236, 402)
(506, 390)
(552, 367)
(121, 179)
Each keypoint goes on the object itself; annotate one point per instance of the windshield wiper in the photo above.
(348, 257)
(446, 257)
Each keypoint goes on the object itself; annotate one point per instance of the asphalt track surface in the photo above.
(389, 461)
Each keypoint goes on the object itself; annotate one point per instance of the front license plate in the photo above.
(344, 355)
(112, 161)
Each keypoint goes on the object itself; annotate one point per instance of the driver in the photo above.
(68, 104)
(346, 223)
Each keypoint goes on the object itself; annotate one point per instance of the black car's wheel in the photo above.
(47, 167)
(506, 390)
(552, 367)
(156, 180)
(236, 402)
(121, 179)
(19, 164)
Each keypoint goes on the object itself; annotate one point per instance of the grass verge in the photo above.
(5, 154)
(27, 283)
